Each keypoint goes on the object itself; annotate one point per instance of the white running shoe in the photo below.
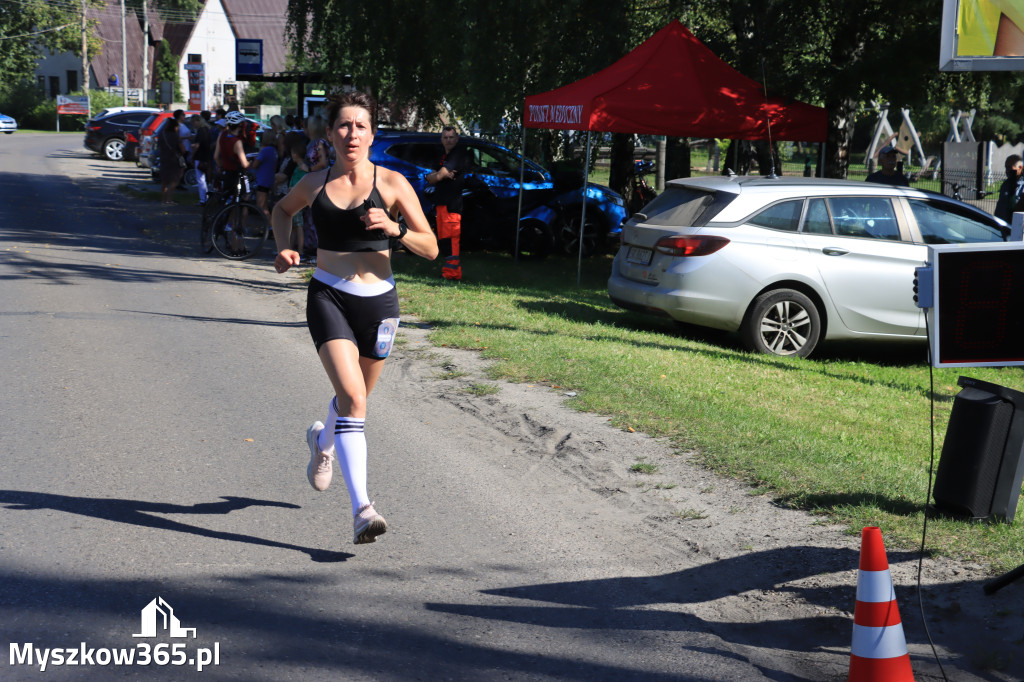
(368, 524)
(320, 470)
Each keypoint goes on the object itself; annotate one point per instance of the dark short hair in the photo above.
(352, 99)
(295, 142)
(449, 128)
(179, 114)
(1012, 160)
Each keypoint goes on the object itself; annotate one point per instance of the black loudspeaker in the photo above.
(982, 463)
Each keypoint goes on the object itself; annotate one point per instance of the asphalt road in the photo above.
(152, 428)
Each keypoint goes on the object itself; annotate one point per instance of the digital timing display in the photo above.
(979, 305)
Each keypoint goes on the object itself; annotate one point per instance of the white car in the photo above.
(117, 110)
(8, 124)
(788, 262)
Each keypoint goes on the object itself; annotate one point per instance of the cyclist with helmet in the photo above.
(229, 154)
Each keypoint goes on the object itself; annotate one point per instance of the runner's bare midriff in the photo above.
(361, 268)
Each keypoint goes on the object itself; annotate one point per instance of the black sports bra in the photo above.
(340, 229)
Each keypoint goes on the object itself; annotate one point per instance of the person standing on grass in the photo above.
(449, 179)
(266, 165)
(1012, 189)
(888, 175)
(352, 303)
(202, 154)
(172, 157)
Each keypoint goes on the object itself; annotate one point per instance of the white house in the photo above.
(209, 40)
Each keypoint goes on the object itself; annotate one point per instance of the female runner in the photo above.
(351, 305)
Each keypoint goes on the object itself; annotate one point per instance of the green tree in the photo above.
(482, 59)
(29, 25)
(284, 95)
(166, 68)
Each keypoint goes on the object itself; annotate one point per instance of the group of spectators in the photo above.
(184, 142)
(279, 156)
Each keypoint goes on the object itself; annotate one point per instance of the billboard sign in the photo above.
(196, 86)
(982, 35)
(73, 105)
(248, 57)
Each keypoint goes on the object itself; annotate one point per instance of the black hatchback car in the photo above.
(107, 135)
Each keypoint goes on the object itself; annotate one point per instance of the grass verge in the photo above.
(845, 435)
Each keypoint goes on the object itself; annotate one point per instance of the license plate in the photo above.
(639, 255)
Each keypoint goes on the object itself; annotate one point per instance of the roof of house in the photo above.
(109, 60)
(265, 19)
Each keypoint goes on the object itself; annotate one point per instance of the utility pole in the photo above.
(85, 52)
(145, 55)
(124, 58)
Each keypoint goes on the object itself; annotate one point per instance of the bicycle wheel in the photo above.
(239, 231)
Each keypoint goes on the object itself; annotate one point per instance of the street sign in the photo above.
(248, 57)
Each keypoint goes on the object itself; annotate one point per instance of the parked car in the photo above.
(551, 210)
(8, 124)
(118, 110)
(788, 262)
(146, 137)
(107, 135)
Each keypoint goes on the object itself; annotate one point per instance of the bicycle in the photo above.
(640, 193)
(239, 229)
(956, 187)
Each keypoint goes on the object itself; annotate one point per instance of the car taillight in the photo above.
(689, 246)
(92, 127)
(131, 138)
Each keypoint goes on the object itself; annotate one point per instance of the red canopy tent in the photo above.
(672, 84)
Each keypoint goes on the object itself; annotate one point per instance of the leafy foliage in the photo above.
(283, 94)
(27, 26)
(166, 68)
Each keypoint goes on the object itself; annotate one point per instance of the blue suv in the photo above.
(551, 205)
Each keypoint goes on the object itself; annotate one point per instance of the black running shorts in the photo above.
(335, 314)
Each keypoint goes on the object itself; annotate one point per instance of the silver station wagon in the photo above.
(789, 262)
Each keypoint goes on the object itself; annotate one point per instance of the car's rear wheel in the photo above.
(113, 149)
(782, 322)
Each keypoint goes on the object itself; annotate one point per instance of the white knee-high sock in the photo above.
(326, 439)
(350, 448)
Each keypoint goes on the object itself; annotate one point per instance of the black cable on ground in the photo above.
(924, 530)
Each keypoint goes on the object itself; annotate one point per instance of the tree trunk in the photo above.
(839, 137)
(737, 158)
(677, 157)
(621, 162)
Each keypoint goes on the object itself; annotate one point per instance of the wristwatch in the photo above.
(402, 229)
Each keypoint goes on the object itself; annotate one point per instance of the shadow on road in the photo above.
(141, 513)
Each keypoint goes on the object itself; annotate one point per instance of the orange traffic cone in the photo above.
(879, 650)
